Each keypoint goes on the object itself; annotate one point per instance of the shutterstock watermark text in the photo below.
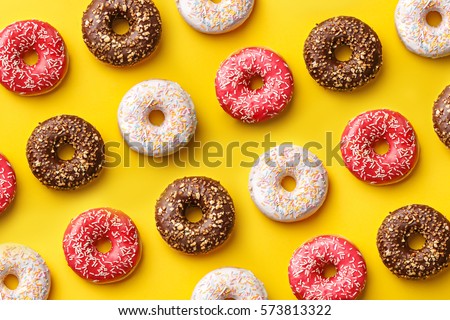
(213, 154)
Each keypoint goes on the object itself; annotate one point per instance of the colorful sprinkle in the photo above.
(180, 120)
(307, 265)
(272, 199)
(416, 34)
(209, 17)
(30, 269)
(229, 283)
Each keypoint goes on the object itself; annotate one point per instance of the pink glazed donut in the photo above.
(84, 232)
(7, 183)
(368, 128)
(233, 85)
(307, 266)
(18, 39)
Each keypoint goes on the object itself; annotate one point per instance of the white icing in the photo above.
(414, 31)
(229, 283)
(179, 124)
(209, 17)
(272, 199)
(29, 268)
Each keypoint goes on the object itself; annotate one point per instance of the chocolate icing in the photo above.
(138, 43)
(53, 172)
(441, 116)
(395, 252)
(195, 237)
(326, 69)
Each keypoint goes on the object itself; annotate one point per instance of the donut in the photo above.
(30, 269)
(180, 120)
(392, 242)
(308, 263)
(233, 80)
(272, 199)
(92, 226)
(416, 34)
(364, 131)
(49, 169)
(229, 284)
(441, 116)
(331, 73)
(22, 37)
(7, 183)
(213, 18)
(199, 237)
(138, 43)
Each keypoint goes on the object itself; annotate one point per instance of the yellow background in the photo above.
(92, 90)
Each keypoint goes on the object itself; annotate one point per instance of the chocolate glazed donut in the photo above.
(138, 43)
(326, 69)
(395, 252)
(441, 116)
(215, 225)
(43, 159)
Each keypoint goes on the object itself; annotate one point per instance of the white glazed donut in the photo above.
(229, 284)
(414, 31)
(180, 120)
(29, 268)
(209, 17)
(272, 199)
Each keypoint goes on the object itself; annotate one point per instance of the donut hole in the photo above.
(433, 18)
(381, 147)
(343, 53)
(288, 183)
(415, 241)
(216, 1)
(329, 270)
(103, 245)
(65, 152)
(156, 117)
(120, 25)
(193, 214)
(30, 57)
(11, 282)
(256, 82)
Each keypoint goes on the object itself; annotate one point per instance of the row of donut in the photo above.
(306, 270)
(357, 147)
(145, 28)
(411, 20)
(418, 36)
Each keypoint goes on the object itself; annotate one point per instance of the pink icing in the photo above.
(357, 147)
(93, 225)
(31, 35)
(307, 265)
(242, 102)
(7, 183)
